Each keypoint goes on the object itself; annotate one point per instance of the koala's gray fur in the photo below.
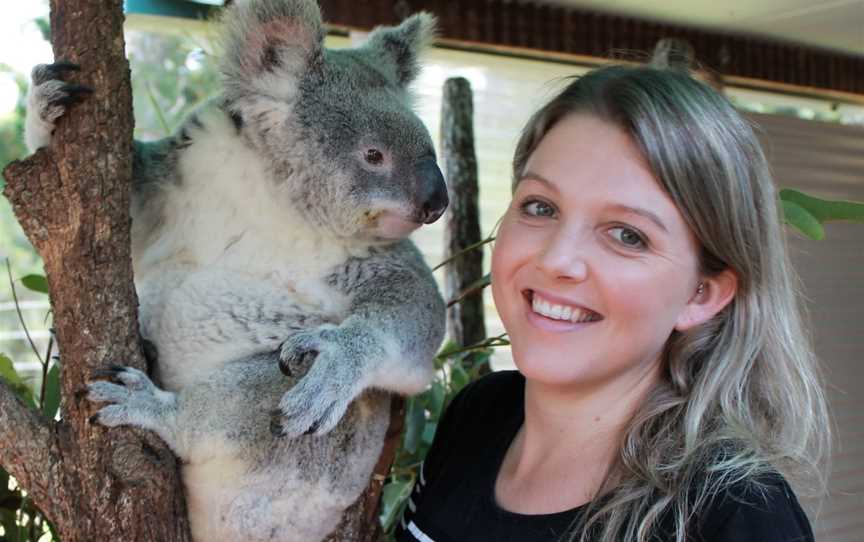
(271, 232)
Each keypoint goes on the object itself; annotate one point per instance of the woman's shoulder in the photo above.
(499, 390)
(757, 508)
(483, 406)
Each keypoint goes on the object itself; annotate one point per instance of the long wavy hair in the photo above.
(741, 394)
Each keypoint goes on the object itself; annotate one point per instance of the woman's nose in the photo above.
(564, 257)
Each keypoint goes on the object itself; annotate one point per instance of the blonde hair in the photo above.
(741, 395)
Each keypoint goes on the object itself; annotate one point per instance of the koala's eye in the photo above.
(374, 157)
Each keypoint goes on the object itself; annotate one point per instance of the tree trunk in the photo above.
(73, 202)
(465, 323)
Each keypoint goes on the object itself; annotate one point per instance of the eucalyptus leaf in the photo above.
(438, 397)
(14, 380)
(51, 401)
(825, 210)
(37, 283)
(415, 422)
(393, 498)
(802, 220)
(429, 432)
(459, 378)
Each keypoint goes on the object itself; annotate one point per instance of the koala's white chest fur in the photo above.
(229, 255)
(233, 273)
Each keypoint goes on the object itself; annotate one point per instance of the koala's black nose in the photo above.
(432, 195)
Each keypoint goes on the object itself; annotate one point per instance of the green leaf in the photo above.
(436, 401)
(429, 432)
(825, 210)
(415, 422)
(459, 378)
(479, 361)
(16, 383)
(393, 498)
(51, 401)
(37, 283)
(802, 220)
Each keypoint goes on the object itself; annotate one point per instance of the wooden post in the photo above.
(679, 54)
(465, 324)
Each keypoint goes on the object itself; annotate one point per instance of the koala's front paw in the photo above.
(300, 350)
(319, 400)
(47, 101)
(134, 399)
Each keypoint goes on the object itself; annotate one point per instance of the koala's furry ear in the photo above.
(401, 45)
(268, 40)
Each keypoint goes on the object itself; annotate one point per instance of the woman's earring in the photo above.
(700, 289)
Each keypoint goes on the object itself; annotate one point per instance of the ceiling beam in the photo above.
(566, 31)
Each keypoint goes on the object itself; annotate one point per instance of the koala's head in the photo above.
(337, 126)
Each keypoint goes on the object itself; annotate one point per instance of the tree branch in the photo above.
(27, 448)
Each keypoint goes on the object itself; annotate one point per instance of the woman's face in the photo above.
(593, 265)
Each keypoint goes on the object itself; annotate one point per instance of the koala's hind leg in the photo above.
(47, 101)
(134, 400)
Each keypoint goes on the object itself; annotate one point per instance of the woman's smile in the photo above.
(551, 313)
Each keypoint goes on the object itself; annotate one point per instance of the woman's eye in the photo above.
(628, 237)
(537, 208)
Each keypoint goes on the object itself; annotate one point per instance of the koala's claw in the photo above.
(133, 398)
(68, 94)
(48, 99)
(299, 352)
(310, 410)
(293, 426)
(45, 72)
(123, 376)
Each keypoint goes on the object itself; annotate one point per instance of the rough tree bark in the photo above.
(73, 202)
(465, 323)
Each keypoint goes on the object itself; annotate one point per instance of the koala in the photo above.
(274, 271)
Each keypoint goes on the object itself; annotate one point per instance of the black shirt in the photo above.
(454, 497)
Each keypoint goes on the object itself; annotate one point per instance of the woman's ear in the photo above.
(709, 298)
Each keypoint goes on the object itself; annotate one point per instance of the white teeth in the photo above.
(562, 312)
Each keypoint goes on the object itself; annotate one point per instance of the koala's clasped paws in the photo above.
(319, 400)
(48, 99)
(134, 399)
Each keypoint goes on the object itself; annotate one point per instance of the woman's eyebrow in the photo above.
(641, 212)
(531, 176)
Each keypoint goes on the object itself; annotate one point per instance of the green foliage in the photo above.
(51, 398)
(455, 368)
(807, 214)
(12, 126)
(15, 382)
(36, 283)
(172, 75)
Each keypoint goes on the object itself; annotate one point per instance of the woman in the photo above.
(665, 390)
